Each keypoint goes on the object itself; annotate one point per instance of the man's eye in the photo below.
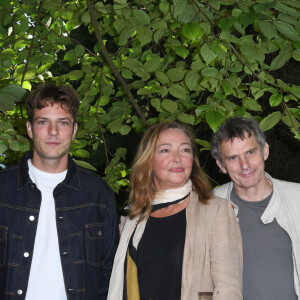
(233, 157)
(64, 123)
(250, 152)
(41, 122)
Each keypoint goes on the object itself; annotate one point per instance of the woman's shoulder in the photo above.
(214, 201)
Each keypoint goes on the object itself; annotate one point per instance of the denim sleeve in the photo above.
(111, 244)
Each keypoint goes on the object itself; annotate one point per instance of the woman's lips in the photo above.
(177, 170)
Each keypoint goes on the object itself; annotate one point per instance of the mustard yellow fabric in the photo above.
(133, 291)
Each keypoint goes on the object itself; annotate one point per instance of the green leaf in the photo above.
(125, 129)
(186, 118)
(207, 54)
(169, 105)
(227, 87)
(3, 148)
(201, 108)
(104, 100)
(85, 18)
(280, 60)
(192, 31)
(177, 91)
(75, 74)
(191, 79)
(252, 105)
(126, 33)
(84, 164)
(214, 119)
(286, 9)
(225, 23)
(288, 19)
(162, 77)
(81, 153)
(203, 143)
(270, 121)
(144, 34)
(275, 99)
(152, 65)
(296, 55)
(14, 146)
(210, 72)
(141, 16)
(155, 102)
(79, 50)
(9, 95)
(181, 51)
(267, 29)
(287, 30)
(114, 126)
(247, 18)
(175, 74)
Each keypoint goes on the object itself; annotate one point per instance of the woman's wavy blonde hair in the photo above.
(142, 185)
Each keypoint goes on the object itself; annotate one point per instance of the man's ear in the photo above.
(74, 131)
(29, 129)
(266, 151)
(221, 166)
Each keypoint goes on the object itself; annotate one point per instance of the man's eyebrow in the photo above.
(251, 149)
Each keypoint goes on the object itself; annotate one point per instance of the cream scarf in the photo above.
(117, 277)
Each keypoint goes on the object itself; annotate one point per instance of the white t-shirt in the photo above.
(46, 280)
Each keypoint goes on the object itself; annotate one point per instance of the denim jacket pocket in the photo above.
(94, 243)
(3, 244)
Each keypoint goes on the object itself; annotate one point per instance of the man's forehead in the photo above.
(53, 110)
(248, 142)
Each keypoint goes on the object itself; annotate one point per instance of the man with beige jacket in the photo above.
(268, 211)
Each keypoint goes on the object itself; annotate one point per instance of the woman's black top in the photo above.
(159, 257)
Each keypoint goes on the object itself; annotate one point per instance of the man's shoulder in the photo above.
(91, 178)
(9, 171)
(286, 185)
(221, 191)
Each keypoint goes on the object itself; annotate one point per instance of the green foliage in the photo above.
(134, 63)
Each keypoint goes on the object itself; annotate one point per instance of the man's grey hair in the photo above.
(236, 127)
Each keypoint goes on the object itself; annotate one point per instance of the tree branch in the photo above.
(98, 119)
(111, 63)
(37, 21)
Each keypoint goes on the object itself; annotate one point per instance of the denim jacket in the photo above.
(87, 227)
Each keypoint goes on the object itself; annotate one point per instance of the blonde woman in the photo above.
(179, 241)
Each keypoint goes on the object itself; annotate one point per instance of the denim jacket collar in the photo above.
(71, 180)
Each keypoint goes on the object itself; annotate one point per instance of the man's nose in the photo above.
(53, 128)
(244, 163)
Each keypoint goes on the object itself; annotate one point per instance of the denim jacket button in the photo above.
(19, 292)
(65, 253)
(31, 218)
(26, 254)
(72, 291)
(100, 233)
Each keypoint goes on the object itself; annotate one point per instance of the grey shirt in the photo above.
(268, 264)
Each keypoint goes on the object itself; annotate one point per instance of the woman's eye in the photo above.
(188, 150)
(164, 150)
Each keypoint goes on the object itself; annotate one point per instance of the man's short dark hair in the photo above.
(236, 127)
(46, 94)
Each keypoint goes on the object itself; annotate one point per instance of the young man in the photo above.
(268, 211)
(58, 222)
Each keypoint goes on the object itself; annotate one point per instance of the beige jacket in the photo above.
(212, 261)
